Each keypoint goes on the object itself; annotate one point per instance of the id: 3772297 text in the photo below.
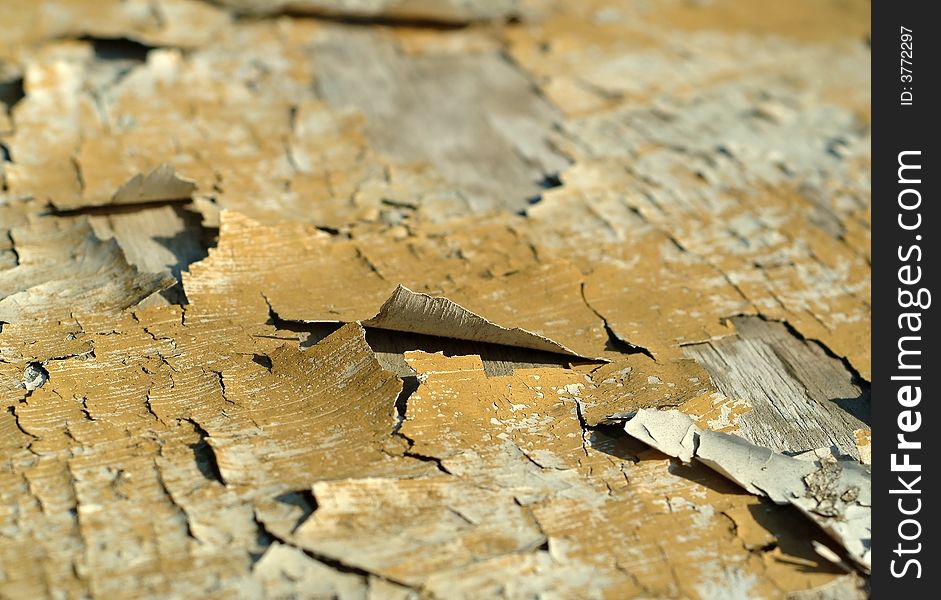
(906, 74)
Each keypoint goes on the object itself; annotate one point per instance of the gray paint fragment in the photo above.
(834, 494)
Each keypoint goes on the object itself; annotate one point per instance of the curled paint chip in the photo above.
(160, 184)
(34, 376)
(834, 494)
(408, 311)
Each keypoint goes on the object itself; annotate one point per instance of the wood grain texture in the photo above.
(802, 397)
(155, 239)
(604, 209)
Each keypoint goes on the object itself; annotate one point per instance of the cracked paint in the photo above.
(344, 299)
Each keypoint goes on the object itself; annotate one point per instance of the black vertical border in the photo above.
(898, 128)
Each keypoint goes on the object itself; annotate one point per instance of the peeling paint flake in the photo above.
(834, 494)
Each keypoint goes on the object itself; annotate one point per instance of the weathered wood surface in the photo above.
(473, 115)
(802, 398)
(213, 384)
(154, 239)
